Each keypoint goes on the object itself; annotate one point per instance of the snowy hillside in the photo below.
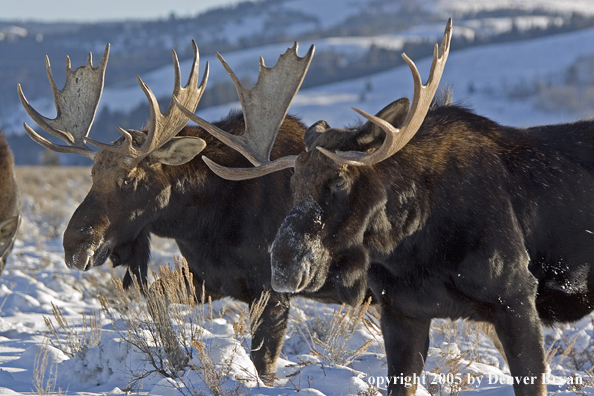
(485, 69)
(346, 33)
(489, 70)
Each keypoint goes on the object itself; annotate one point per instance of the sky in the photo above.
(104, 10)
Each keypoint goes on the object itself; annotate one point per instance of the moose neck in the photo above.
(403, 207)
(196, 209)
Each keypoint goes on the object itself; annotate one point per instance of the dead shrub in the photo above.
(329, 340)
(167, 329)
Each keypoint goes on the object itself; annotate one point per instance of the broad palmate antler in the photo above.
(264, 109)
(76, 105)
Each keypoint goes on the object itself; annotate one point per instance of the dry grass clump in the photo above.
(451, 375)
(372, 323)
(328, 339)
(148, 327)
(167, 329)
(578, 357)
(581, 383)
(451, 380)
(41, 364)
(371, 390)
(68, 339)
(468, 333)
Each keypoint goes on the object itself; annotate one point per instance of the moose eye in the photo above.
(126, 183)
(339, 186)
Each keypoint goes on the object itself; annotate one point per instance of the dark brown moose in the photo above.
(151, 182)
(452, 216)
(10, 203)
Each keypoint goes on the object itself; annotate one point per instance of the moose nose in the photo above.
(289, 281)
(297, 250)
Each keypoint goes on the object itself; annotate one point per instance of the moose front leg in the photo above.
(268, 337)
(406, 341)
(518, 328)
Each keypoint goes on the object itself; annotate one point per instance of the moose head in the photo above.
(129, 186)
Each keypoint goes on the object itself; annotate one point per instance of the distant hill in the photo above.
(354, 39)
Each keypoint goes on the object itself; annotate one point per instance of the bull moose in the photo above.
(151, 182)
(451, 215)
(10, 203)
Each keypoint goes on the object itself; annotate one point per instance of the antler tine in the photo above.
(238, 174)
(396, 138)
(189, 96)
(264, 108)
(163, 127)
(76, 105)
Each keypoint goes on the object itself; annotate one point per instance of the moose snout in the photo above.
(85, 246)
(290, 272)
(297, 265)
(297, 253)
(86, 257)
(289, 280)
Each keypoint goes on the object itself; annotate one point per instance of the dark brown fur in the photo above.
(471, 219)
(10, 204)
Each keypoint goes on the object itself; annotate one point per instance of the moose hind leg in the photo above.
(269, 335)
(519, 330)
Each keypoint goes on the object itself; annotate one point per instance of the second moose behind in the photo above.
(152, 182)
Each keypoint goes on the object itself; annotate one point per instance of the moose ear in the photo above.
(178, 150)
(313, 132)
(394, 113)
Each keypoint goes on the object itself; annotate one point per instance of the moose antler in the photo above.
(163, 127)
(396, 138)
(264, 109)
(76, 105)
